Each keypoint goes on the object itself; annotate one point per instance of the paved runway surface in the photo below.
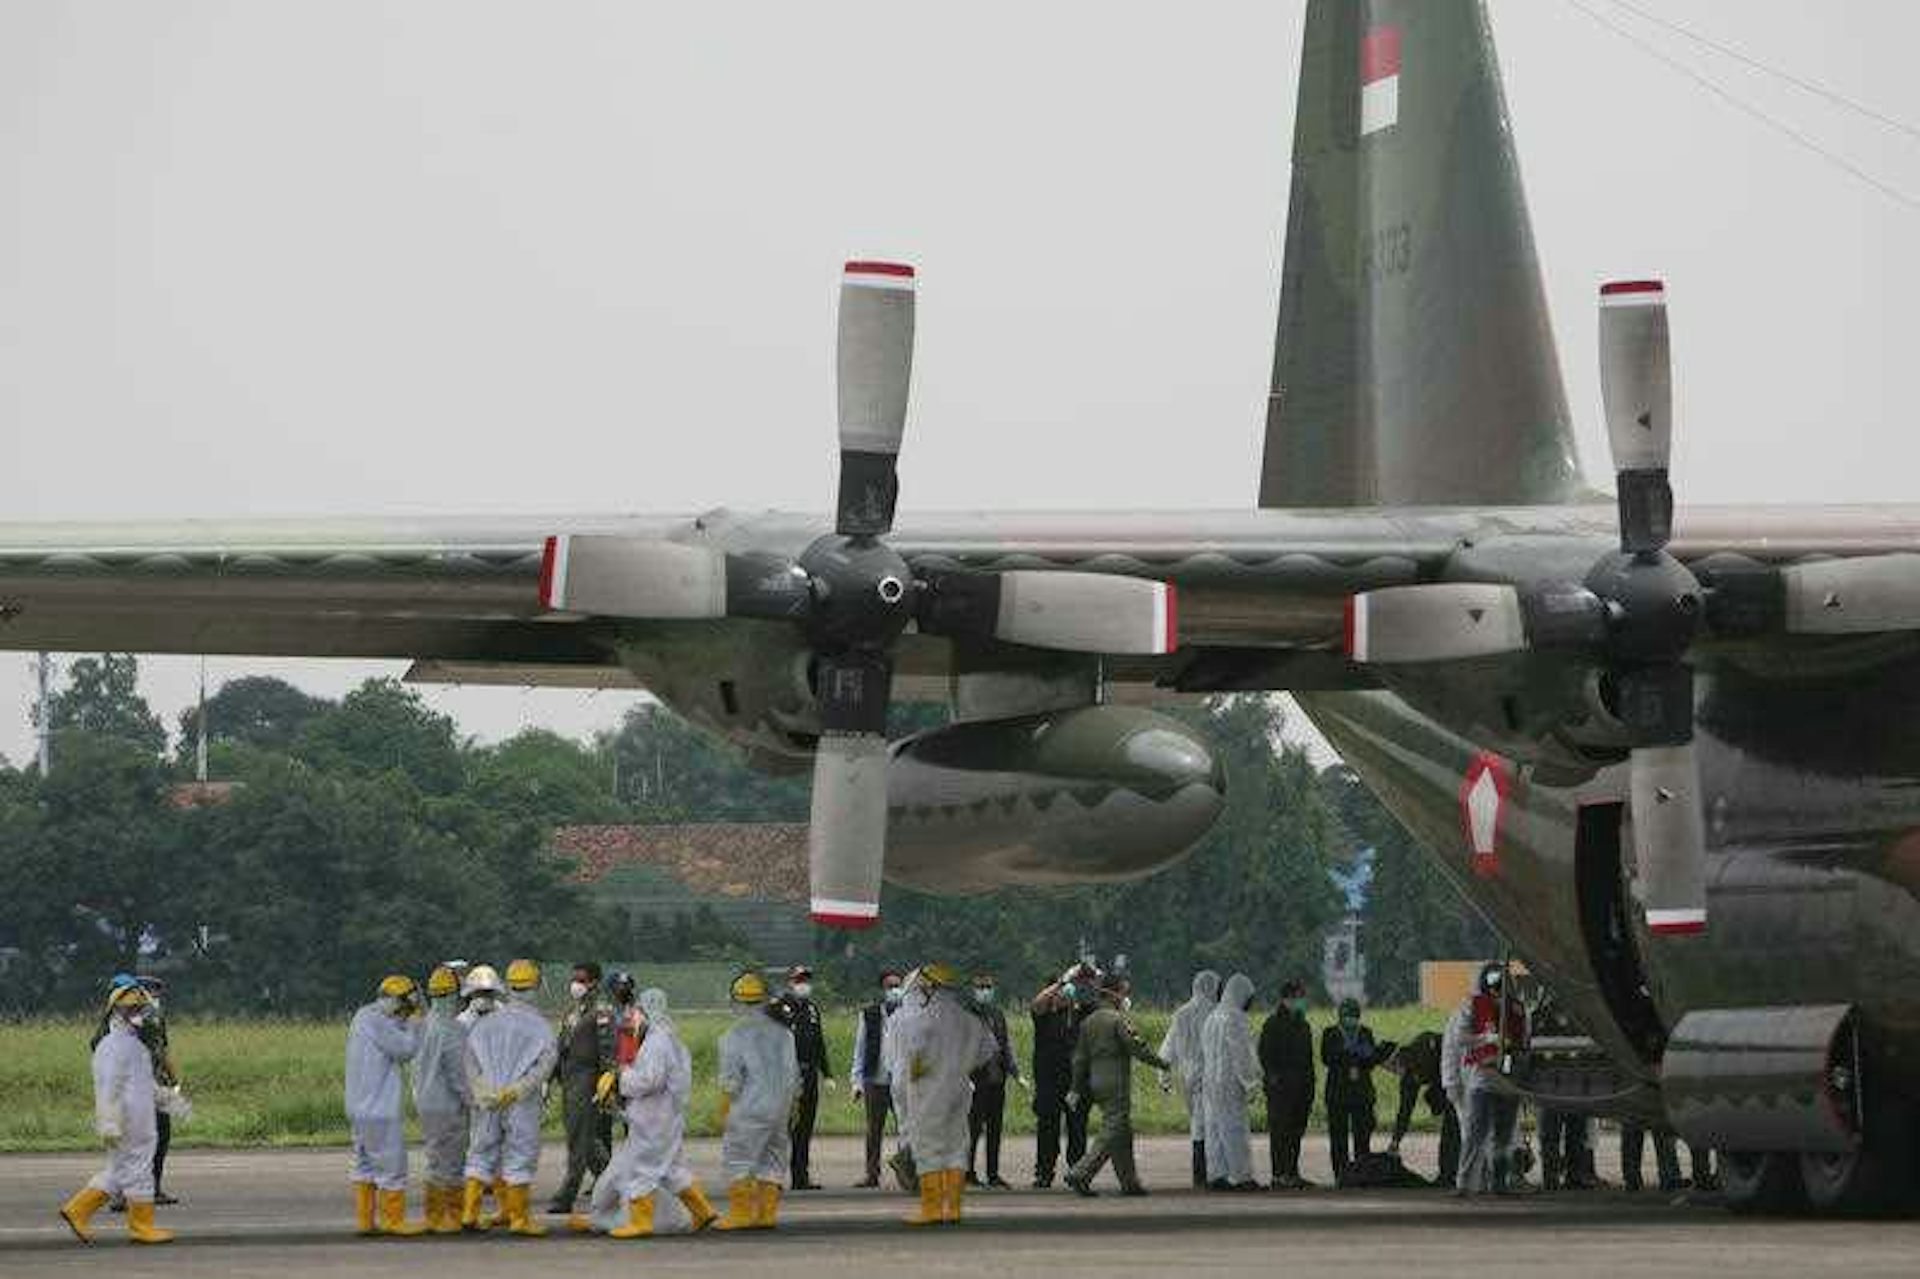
(287, 1215)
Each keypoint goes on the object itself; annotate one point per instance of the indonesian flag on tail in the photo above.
(1379, 80)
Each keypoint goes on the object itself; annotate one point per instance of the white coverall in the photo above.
(378, 1045)
(1230, 1073)
(892, 1032)
(509, 1047)
(1182, 1048)
(654, 1090)
(123, 1108)
(938, 1050)
(760, 1073)
(440, 1094)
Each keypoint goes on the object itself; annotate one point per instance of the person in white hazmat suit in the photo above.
(1182, 1047)
(939, 1049)
(440, 1099)
(654, 1090)
(383, 1037)
(759, 1077)
(123, 1116)
(891, 1037)
(1230, 1073)
(510, 1054)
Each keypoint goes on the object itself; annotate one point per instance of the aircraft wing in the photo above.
(462, 596)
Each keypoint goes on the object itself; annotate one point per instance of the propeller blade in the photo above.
(613, 576)
(875, 366)
(1636, 387)
(847, 832)
(1438, 622)
(1075, 612)
(1669, 838)
(1840, 597)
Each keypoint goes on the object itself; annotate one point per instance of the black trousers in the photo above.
(1666, 1156)
(879, 1103)
(984, 1119)
(1564, 1158)
(1050, 1113)
(588, 1146)
(1287, 1113)
(805, 1107)
(163, 1123)
(1349, 1133)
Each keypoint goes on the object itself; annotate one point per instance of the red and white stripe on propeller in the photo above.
(1434, 622)
(611, 576)
(874, 374)
(1087, 613)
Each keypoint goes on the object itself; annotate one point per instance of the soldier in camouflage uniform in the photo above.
(584, 1071)
(1103, 1060)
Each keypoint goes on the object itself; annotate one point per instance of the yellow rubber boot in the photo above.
(471, 1194)
(639, 1220)
(699, 1207)
(140, 1225)
(446, 1220)
(956, 1189)
(768, 1215)
(520, 1216)
(933, 1191)
(393, 1216)
(579, 1223)
(79, 1210)
(743, 1212)
(363, 1208)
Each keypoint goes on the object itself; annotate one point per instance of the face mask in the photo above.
(1298, 1006)
(892, 994)
(578, 989)
(1071, 991)
(1349, 1022)
(802, 989)
(983, 994)
(1126, 1003)
(137, 1020)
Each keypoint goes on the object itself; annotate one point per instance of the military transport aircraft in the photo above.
(1664, 751)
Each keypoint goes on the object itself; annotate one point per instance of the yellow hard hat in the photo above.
(398, 986)
(748, 988)
(441, 981)
(940, 974)
(523, 974)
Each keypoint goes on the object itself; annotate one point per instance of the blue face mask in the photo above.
(1299, 1005)
(1071, 991)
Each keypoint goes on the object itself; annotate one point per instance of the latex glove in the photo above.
(510, 1094)
(1073, 1101)
(1023, 1084)
(833, 1085)
(603, 1088)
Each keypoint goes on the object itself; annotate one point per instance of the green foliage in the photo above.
(384, 727)
(254, 710)
(102, 699)
(670, 771)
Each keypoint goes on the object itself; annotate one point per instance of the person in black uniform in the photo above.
(584, 1069)
(1056, 1013)
(1418, 1065)
(810, 1045)
(1666, 1157)
(1349, 1054)
(872, 1084)
(989, 1106)
(1286, 1071)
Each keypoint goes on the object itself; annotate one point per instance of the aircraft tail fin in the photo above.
(1414, 362)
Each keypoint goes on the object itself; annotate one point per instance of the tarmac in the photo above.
(287, 1214)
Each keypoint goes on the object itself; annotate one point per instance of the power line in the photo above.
(1727, 96)
(1800, 82)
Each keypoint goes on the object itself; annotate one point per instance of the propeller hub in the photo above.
(862, 592)
(1653, 605)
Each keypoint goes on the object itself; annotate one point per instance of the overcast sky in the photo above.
(489, 257)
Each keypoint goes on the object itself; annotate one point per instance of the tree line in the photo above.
(369, 830)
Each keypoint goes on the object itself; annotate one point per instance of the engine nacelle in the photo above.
(1087, 795)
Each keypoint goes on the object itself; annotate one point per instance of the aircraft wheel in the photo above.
(1864, 1181)
(1761, 1182)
